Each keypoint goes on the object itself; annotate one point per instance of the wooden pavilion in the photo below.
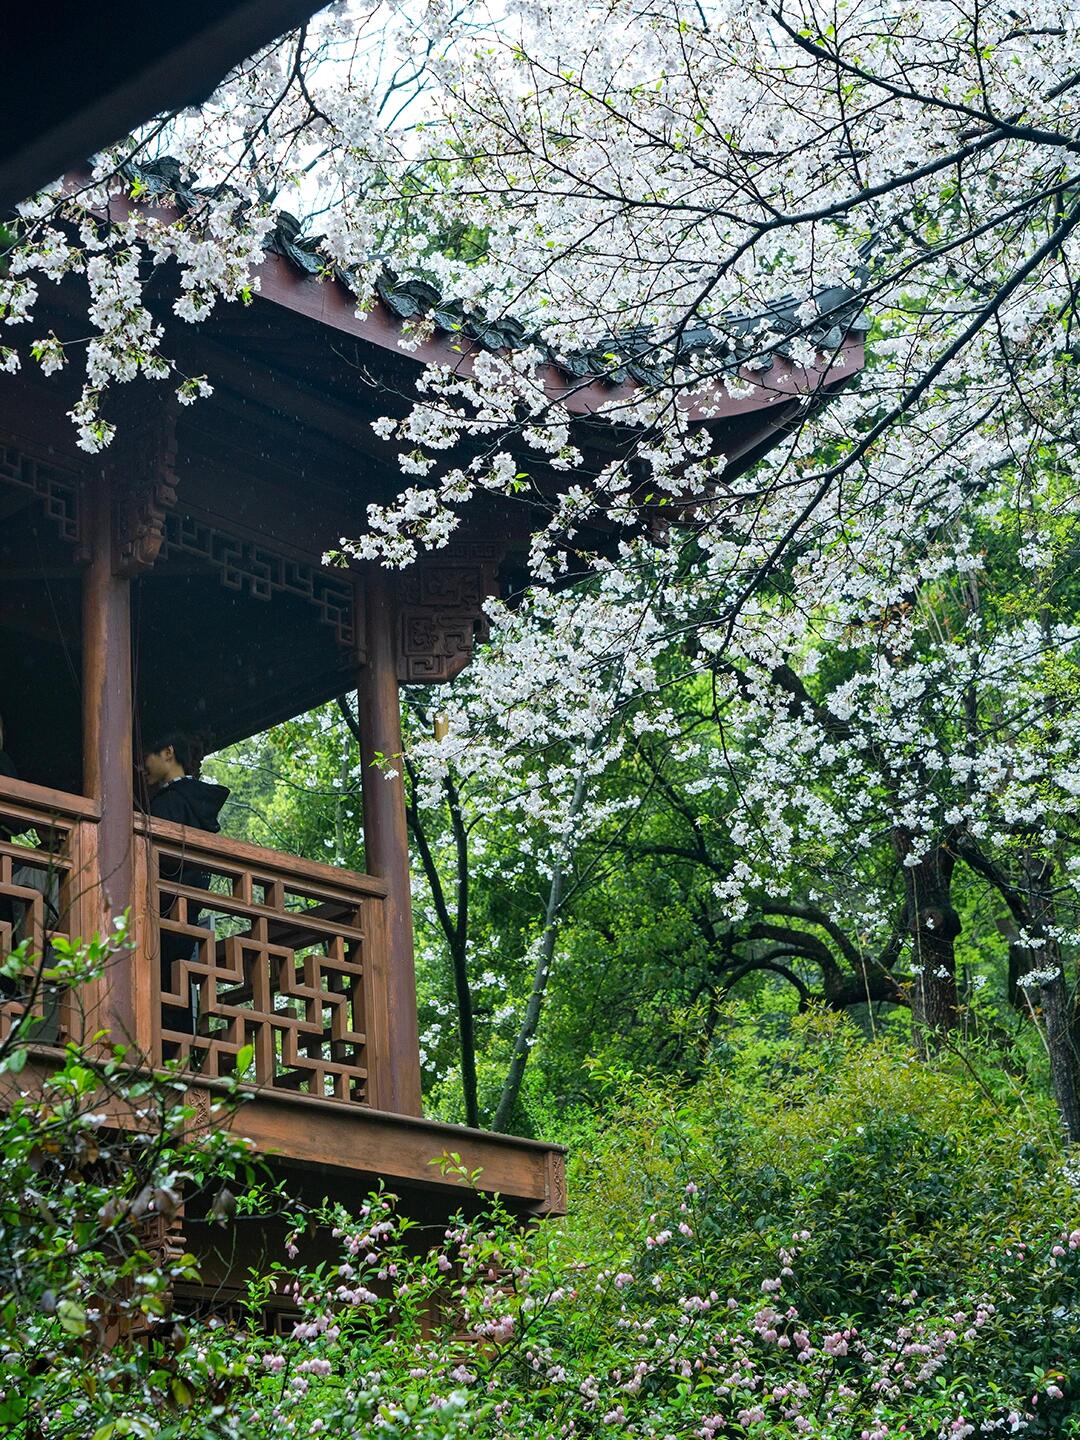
(176, 580)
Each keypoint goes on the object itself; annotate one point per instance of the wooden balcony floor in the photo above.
(363, 1145)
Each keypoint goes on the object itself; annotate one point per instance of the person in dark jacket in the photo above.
(171, 767)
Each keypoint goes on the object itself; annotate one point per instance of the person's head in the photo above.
(168, 757)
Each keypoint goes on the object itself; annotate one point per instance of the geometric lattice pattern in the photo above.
(262, 573)
(55, 488)
(249, 956)
(36, 889)
(441, 611)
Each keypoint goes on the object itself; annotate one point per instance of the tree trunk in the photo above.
(1060, 1017)
(1057, 999)
(455, 928)
(541, 973)
(933, 925)
(1035, 952)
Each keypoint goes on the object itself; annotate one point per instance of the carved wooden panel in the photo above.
(440, 611)
(555, 1178)
(249, 953)
(53, 486)
(260, 572)
(143, 459)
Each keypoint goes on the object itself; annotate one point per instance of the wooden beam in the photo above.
(312, 1140)
(107, 757)
(386, 844)
(217, 848)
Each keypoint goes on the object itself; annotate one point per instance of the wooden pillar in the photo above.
(386, 842)
(107, 758)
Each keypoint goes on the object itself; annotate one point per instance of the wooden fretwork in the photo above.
(55, 487)
(274, 953)
(47, 844)
(261, 570)
(440, 610)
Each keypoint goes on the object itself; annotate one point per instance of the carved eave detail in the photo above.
(260, 569)
(55, 484)
(441, 611)
(144, 471)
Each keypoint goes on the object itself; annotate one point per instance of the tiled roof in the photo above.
(840, 312)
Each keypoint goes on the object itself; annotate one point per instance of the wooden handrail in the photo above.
(194, 843)
(52, 802)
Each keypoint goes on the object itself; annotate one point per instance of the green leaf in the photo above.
(72, 1317)
(12, 1409)
(181, 1393)
(16, 1062)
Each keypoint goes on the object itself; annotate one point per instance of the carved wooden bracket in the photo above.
(142, 459)
(440, 610)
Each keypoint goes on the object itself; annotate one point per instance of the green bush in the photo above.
(96, 1155)
(820, 1237)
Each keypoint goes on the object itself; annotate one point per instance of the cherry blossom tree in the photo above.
(688, 194)
(515, 785)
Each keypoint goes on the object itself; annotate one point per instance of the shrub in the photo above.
(824, 1239)
(820, 1237)
(95, 1156)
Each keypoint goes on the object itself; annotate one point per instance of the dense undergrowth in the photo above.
(820, 1236)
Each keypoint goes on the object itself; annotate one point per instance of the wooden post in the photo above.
(386, 842)
(107, 758)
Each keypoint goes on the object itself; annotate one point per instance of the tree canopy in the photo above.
(831, 696)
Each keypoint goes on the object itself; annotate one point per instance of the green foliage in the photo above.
(819, 1237)
(816, 1236)
(95, 1155)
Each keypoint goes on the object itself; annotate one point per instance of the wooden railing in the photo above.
(241, 947)
(47, 873)
(233, 947)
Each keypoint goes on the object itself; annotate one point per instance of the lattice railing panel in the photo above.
(38, 886)
(251, 955)
(53, 486)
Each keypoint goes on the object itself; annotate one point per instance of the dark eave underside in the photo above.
(80, 77)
